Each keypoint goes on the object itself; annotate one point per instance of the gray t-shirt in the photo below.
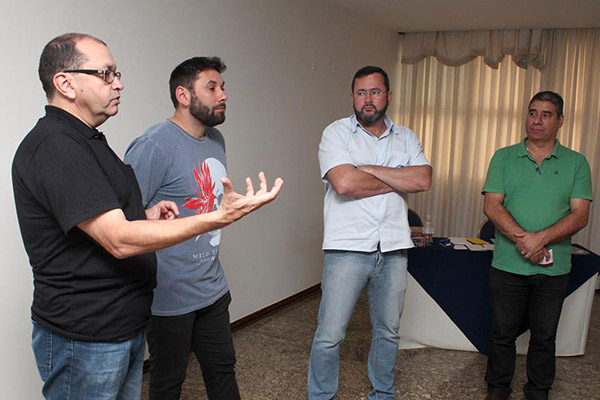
(172, 165)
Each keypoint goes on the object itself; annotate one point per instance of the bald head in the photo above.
(61, 54)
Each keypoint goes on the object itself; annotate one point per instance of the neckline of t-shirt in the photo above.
(189, 136)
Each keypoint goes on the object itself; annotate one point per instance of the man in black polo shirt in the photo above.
(86, 232)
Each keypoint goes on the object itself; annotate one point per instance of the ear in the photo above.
(65, 85)
(183, 96)
(389, 96)
(561, 119)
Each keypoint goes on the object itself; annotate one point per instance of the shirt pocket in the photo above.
(398, 159)
(397, 153)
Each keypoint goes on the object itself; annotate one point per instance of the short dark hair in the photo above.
(59, 55)
(186, 73)
(369, 70)
(551, 97)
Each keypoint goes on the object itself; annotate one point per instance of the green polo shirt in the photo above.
(536, 198)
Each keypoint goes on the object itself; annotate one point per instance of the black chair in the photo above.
(487, 230)
(414, 219)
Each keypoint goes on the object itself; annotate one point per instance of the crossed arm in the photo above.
(532, 245)
(371, 180)
(123, 238)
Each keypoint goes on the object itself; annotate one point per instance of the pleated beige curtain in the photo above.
(464, 113)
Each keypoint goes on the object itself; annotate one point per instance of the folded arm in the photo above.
(348, 180)
(410, 179)
(123, 238)
(370, 180)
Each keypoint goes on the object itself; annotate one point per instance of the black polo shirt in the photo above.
(63, 173)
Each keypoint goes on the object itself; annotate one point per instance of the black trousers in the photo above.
(512, 295)
(207, 332)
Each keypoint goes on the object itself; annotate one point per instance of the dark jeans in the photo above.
(207, 332)
(511, 296)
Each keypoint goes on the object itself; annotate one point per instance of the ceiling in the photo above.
(456, 15)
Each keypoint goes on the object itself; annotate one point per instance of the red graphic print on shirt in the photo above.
(205, 200)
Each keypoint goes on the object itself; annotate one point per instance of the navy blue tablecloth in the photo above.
(458, 281)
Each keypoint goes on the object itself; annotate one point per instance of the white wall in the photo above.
(290, 65)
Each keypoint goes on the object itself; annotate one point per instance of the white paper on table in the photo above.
(476, 247)
(577, 250)
(458, 240)
(460, 247)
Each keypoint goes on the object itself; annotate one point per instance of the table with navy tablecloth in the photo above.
(447, 301)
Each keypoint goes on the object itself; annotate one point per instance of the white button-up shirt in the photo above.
(359, 224)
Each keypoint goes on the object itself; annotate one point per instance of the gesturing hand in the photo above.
(162, 210)
(234, 205)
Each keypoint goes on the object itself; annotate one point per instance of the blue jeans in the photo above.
(345, 274)
(76, 370)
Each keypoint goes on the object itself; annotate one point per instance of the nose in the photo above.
(117, 84)
(222, 96)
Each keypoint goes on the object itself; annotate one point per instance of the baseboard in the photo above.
(264, 312)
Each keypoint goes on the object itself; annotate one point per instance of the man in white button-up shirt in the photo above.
(368, 165)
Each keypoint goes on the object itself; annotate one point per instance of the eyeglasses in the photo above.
(109, 74)
(362, 93)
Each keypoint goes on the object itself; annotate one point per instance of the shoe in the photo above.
(536, 395)
(498, 395)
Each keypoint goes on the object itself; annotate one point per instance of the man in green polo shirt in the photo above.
(537, 194)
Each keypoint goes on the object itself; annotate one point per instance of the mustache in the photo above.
(220, 106)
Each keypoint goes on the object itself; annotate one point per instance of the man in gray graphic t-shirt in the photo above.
(183, 160)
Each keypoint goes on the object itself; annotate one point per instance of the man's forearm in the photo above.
(123, 238)
(503, 221)
(410, 179)
(501, 218)
(531, 244)
(348, 180)
(565, 227)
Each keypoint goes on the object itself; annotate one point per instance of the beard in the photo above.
(369, 119)
(205, 114)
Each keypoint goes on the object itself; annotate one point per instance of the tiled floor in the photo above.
(273, 358)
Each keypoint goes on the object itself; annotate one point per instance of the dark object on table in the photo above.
(487, 231)
(443, 241)
(414, 219)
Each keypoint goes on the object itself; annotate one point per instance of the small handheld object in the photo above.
(547, 262)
